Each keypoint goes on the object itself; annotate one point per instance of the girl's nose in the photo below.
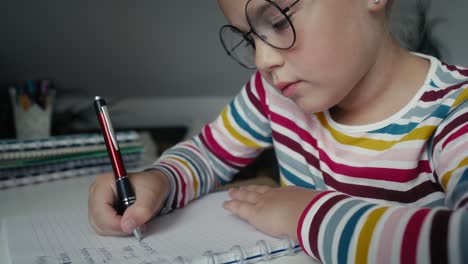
(266, 56)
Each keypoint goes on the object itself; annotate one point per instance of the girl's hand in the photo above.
(151, 188)
(274, 211)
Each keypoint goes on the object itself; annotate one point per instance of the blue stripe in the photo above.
(261, 123)
(348, 232)
(447, 77)
(191, 158)
(302, 167)
(464, 177)
(241, 122)
(294, 179)
(217, 163)
(330, 229)
(460, 191)
(396, 129)
(433, 84)
(183, 156)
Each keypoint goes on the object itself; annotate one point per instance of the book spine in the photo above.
(11, 182)
(63, 141)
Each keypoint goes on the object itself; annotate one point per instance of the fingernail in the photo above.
(128, 225)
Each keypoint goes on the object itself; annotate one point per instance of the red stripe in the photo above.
(210, 142)
(291, 125)
(179, 182)
(304, 214)
(454, 124)
(461, 132)
(409, 246)
(439, 237)
(183, 185)
(464, 203)
(254, 100)
(431, 96)
(194, 149)
(261, 92)
(462, 71)
(387, 174)
(376, 173)
(293, 145)
(410, 196)
(317, 222)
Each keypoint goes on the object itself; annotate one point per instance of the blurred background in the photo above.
(158, 63)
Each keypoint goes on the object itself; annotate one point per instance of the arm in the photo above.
(196, 166)
(337, 228)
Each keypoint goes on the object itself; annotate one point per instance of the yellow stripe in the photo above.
(194, 177)
(366, 234)
(247, 142)
(283, 183)
(421, 133)
(448, 175)
(462, 97)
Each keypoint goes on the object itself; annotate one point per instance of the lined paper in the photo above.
(66, 237)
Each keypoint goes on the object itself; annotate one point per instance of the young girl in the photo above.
(371, 140)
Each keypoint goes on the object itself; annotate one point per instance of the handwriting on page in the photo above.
(54, 239)
(67, 237)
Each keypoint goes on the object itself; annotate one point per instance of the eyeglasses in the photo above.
(269, 21)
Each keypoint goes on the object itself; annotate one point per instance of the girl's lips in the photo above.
(287, 88)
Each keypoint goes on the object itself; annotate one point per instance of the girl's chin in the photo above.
(312, 106)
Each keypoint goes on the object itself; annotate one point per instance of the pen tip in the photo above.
(97, 98)
(137, 233)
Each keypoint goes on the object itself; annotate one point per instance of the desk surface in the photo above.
(58, 195)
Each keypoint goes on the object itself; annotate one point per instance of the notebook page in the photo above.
(67, 237)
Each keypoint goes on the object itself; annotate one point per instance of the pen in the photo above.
(125, 194)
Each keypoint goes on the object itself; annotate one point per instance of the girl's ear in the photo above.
(376, 5)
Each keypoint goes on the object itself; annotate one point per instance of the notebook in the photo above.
(13, 149)
(33, 161)
(202, 232)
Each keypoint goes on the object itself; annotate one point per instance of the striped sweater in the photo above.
(395, 191)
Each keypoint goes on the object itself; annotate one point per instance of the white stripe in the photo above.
(388, 185)
(340, 227)
(423, 247)
(354, 240)
(240, 130)
(254, 111)
(308, 220)
(228, 142)
(454, 247)
(398, 237)
(321, 234)
(377, 235)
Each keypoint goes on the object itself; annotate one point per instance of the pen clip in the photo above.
(110, 129)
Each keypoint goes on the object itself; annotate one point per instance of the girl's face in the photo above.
(337, 43)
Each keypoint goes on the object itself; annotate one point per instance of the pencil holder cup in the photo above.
(32, 118)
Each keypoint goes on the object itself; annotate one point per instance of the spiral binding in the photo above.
(265, 249)
(262, 251)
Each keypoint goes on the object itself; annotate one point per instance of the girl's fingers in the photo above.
(244, 195)
(101, 213)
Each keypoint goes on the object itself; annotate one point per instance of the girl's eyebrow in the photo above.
(260, 11)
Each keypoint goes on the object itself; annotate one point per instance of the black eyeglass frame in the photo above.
(283, 11)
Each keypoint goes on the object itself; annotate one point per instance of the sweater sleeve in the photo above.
(239, 134)
(337, 228)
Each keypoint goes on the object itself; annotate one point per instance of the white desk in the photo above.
(59, 195)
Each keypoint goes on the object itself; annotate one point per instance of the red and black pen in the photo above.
(125, 194)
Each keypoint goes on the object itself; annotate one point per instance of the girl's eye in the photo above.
(281, 25)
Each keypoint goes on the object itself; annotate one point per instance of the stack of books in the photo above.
(24, 162)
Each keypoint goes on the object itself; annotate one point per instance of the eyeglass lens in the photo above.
(268, 21)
